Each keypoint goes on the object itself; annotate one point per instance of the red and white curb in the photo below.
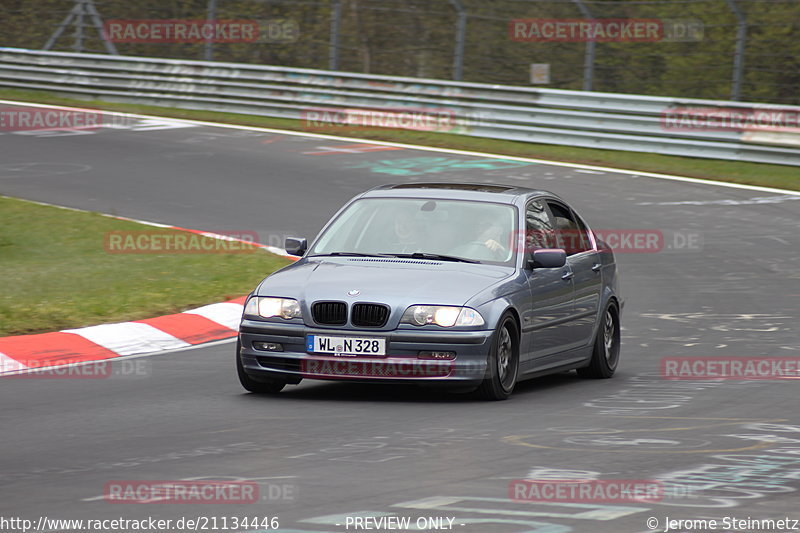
(22, 353)
(106, 341)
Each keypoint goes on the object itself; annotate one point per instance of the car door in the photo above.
(545, 322)
(585, 268)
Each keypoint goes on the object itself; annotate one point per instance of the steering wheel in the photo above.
(498, 253)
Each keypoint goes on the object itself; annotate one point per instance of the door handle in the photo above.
(597, 266)
(566, 276)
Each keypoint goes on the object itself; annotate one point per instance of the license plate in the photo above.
(351, 346)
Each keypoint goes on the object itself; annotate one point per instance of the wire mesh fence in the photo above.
(718, 49)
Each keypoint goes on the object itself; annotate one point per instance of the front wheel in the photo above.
(258, 386)
(503, 362)
(605, 355)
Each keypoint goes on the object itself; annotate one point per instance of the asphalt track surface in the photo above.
(322, 452)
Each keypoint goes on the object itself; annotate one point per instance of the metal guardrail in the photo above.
(574, 118)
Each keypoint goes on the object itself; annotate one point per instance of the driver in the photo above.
(490, 234)
(405, 236)
(484, 241)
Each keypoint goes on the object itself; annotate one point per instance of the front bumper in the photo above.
(401, 365)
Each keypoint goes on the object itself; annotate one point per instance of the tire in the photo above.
(260, 386)
(605, 355)
(503, 362)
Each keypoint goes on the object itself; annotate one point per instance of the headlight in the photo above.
(441, 315)
(270, 307)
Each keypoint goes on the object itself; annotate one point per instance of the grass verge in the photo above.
(58, 274)
(780, 176)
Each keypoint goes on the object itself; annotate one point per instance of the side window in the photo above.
(538, 227)
(570, 235)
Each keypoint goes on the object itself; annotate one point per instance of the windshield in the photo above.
(425, 228)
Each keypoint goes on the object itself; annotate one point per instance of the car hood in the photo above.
(397, 282)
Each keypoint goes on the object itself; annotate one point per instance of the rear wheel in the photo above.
(503, 362)
(262, 385)
(605, 355)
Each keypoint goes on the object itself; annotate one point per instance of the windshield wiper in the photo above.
(441, 257)
(350, 254)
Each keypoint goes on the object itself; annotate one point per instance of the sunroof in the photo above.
(456, 186)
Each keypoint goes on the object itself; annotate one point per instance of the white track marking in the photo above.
(226, 314)
(145, 222)
(129, 338)
(633, 173)
(161, 124)
(9, 365)
(751, 201)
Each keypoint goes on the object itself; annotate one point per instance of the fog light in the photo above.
(437, 355)
(268, 346)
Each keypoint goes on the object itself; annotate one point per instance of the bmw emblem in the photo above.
(354, 292)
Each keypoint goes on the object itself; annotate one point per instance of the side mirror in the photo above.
(548, 258)
(296, 246)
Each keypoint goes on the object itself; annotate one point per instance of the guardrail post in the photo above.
(589, 55)
(78, 46)
(738, 55)
(75, 16)
(211, 14)
(336, 25)
(461, 29)
(98, 24)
